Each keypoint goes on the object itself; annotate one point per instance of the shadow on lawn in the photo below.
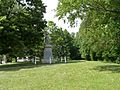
(27, 65)
(112, 68)
(17, 66)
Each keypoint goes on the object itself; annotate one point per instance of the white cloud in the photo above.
(50, 15)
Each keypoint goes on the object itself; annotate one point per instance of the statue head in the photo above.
(47, 38)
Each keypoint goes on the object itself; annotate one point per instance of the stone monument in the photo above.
(47, 50)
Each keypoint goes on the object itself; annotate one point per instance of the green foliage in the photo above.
(21, 27)
(62, 42)
(99, 31)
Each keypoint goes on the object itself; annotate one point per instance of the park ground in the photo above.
(75, 75)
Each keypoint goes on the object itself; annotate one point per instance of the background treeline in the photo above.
(64, 46)
(99, 34)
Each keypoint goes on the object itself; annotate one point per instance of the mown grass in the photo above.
(77, 75)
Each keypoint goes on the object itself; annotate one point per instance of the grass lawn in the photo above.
(77, 75)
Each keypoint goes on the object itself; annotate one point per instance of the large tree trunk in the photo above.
(65, 58)
(61, 59)
(40, 59)
(93, 56)
(34, 60)
(4, 58)
(1, 59)
(15, 59)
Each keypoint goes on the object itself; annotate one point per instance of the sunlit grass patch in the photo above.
(76, 75)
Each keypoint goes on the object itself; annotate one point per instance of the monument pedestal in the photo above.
(47, 55)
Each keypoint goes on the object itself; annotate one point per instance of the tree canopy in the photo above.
(62, 42)
(98, 37)
(21, 26)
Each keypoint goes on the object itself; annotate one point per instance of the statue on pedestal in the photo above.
(47, 50)
(47, 38)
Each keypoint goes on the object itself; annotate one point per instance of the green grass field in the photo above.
(77, 75)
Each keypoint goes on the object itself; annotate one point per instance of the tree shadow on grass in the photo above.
(71, 61)
(112, 68)
(19, 66)
(76, 61)
(28, 65)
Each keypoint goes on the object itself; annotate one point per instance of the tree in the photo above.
(74, 48)
(61, 41)
(99, 32)
(73, 9)
(21, 27)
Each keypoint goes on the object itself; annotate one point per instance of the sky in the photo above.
(50, 15)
